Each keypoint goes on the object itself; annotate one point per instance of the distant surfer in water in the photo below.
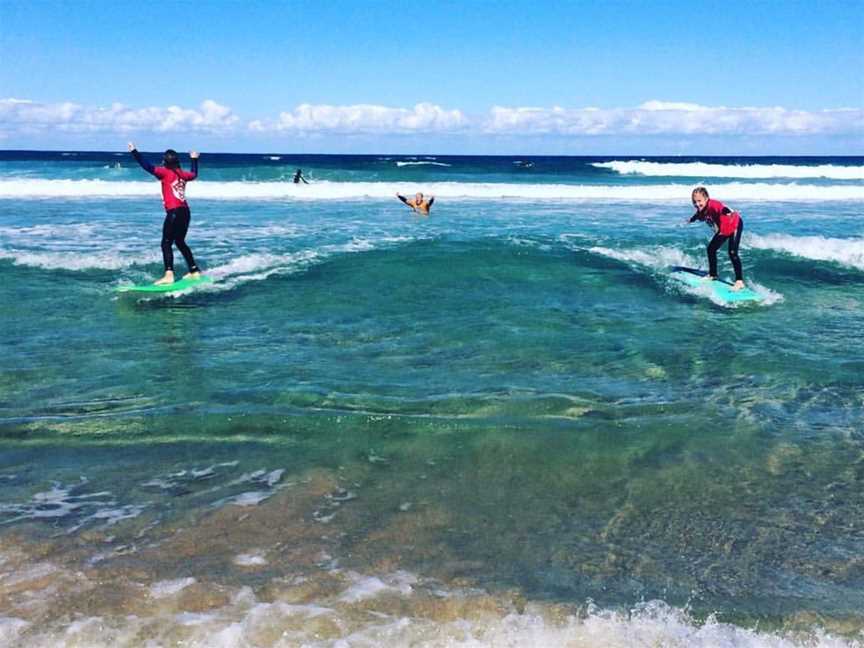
(727, 225)
(418, 203)
(177, 215)
(298, 176)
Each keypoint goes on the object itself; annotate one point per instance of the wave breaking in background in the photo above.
(44, 188)
(753, 171)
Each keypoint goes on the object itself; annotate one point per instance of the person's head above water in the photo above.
(418, 196)
(170, 159)
(699, 197)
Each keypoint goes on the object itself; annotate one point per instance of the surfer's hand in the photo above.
(131, 146)
(193, 155)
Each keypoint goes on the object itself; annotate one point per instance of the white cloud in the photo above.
(652, 118)
(366, 119)
(672, 118)
(31, 116)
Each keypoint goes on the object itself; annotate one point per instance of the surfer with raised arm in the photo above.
(177, 215)
(727, 226)
(298, 176)
(418, 203)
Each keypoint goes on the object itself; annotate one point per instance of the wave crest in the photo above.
(756, 192)
(846, 252)
(749, 171)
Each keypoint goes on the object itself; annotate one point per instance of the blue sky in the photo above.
(459, 77)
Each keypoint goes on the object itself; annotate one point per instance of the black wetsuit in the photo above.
(717, 242)
(174, 230)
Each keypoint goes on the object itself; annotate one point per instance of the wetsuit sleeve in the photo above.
(402, 198)
(191, 174)
(697, 217)
(431, 200)
(144, 163)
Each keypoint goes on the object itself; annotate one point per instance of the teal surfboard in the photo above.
(182, 284)
(719, 288)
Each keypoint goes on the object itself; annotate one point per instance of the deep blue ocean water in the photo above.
(500, 424)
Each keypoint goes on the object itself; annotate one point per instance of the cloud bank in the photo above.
(365, 119)
(34, 117)
(671, 118)
(652, 118)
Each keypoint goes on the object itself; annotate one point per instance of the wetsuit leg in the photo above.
(715, 244)
(181, 226)
(734, 241)
(168, 240)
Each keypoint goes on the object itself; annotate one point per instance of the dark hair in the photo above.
(701, 190)
(170, 159)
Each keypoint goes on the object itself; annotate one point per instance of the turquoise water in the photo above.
(503, 422)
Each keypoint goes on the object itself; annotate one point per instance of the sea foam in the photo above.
(708, 170)
(33, 188)
(846, 252)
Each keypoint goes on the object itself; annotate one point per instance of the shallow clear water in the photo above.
(500, 423)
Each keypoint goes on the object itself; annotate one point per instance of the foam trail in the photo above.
(847, 252)
(708, 170)
(659, 259)
(32, 188)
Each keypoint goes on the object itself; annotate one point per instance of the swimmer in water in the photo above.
(418, 203)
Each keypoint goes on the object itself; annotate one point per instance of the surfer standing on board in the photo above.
(727, 225)
(177, 215)
(418, 203)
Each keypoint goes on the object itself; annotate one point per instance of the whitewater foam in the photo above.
(659, 259)
(78, 260)
(708, 170)
(422, 163)
(379, 614)
(32, 188)
(846, 252)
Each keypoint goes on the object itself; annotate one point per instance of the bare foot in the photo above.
(192, 275)
(739, 285)
(167, 279)
(709, 278)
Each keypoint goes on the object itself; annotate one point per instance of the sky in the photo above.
(645, 77)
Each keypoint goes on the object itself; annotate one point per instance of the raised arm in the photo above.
(193, 171)
(403, 199)
(149, 168)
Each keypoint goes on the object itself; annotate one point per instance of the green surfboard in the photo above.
(719, 288)
(182, 284)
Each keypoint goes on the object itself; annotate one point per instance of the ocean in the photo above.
(501, 425)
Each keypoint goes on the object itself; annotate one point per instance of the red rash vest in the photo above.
(720, 216)
(173, 185)
(173, 181)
